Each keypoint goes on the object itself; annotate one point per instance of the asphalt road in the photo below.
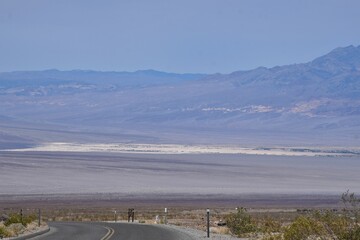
(110, 231)
(74, 231)
(145, 232)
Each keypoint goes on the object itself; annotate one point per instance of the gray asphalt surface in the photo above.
(122, 231)
(73, 231)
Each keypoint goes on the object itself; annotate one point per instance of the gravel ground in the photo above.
(197, 234)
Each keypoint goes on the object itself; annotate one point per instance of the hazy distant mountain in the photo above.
(54, 81)
(311, 103)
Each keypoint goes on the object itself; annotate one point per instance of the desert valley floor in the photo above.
(90, 172)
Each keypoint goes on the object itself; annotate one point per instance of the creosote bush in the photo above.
(16, 218)
(269, 225)
(324, 225)
(240, 223)
(3, 232)
(351, 205)
(303, 228)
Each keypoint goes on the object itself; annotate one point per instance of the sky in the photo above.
(182, 36)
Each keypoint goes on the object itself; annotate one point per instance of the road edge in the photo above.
(31, 235)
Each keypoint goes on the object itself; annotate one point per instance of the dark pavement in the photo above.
(125, 231)
(100, 231)
(73, 231)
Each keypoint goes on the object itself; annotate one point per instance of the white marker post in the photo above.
(165, 220)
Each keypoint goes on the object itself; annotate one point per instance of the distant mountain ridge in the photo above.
(310, 103)
(88, 77)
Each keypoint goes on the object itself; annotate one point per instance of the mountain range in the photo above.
(314, 103)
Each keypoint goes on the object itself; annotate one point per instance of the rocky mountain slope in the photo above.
(311, 103)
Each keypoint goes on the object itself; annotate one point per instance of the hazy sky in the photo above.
(204, 36)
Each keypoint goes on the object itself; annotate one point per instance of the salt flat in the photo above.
(191, 149)
(36, 172)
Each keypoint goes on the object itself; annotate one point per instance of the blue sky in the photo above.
(205, 36)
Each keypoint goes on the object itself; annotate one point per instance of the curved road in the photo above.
(110, 231)
(73, 230)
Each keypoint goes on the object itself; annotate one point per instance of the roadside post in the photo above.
(165, 220)
(39, 217)
(208, 222)
(21, 215)
(115, 216)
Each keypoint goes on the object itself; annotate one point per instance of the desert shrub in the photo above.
(327, 225)
(343, 226)
(272, 237)
(269, 225)
(303, 228)
(240, 223)
(28, 219)
(351, 205)
(352, 234)
(15, 229)
(16, 218)
(3, 232)
(334, 224)
(13, 218)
